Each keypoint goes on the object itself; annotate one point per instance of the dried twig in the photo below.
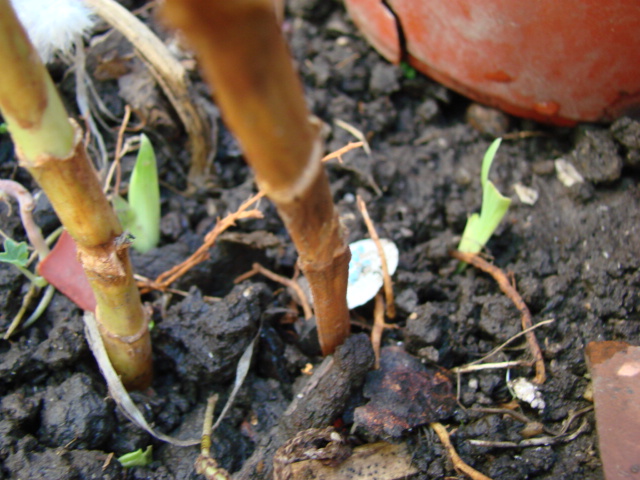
(166, 278)
(205, 464)
(116, 166)
(256, 268)
(458, 463)
(524, 134)
(355, 132)
(341, 151)
(509, 341)
(116, 388)
(388, 284)
(172, 78)
(202, 253)
(532, 442)
(491, 366)
(378, 327)
(512, 293)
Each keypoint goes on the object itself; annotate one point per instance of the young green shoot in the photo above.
(408, 71)
(141, 214)
(481, 226)
(17, 254)
(139, 458)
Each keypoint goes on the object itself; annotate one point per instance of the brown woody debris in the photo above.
(404, 394)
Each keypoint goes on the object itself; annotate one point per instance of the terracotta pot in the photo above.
(557, 61)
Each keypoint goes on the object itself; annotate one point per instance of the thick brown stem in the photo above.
(246, 60)
(72, 186)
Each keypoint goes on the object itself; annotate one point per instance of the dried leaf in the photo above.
(404, 394)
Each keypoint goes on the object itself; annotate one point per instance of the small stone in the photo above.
(525, 194)
(627, 131)
(527, 392)
(428, 110)
(567, 173)
(486, 120)
(596, 157)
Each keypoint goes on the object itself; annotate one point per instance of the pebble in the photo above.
(488, 121)
(596, 157)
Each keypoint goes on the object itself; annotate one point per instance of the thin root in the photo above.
(378, 327)
(514, 296)
(388, 284)
(341, 151)
(256, 268)
(458, 463)
(202, 253)
(167, 278)
(116, 166)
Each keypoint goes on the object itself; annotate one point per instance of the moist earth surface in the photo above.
(573, 254)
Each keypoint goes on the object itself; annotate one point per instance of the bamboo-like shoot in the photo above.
(246, 60)
(50, 147)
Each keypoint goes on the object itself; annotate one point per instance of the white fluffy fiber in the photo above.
(53, 25)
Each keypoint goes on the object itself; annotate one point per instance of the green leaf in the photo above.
(408, 71)
(144, 198)
(139, 458)
(3, 128)
(15, 253)
(480, 227)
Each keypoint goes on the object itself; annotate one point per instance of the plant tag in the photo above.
(365, 270)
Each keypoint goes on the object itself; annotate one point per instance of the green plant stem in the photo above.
(50, 147)
(26, 301)
(76, 195)
(36, 314)
(34, 119)
(36, 280)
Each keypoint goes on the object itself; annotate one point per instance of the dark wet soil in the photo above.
(574, 255)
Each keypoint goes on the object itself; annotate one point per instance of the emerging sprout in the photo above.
(408, 71)
(141, 215)
(139, 458)
(480, 227)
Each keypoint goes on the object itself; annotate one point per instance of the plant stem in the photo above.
(50, 147)
(246, 60)
(36, 280)
(27, 204)
(34, 119)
